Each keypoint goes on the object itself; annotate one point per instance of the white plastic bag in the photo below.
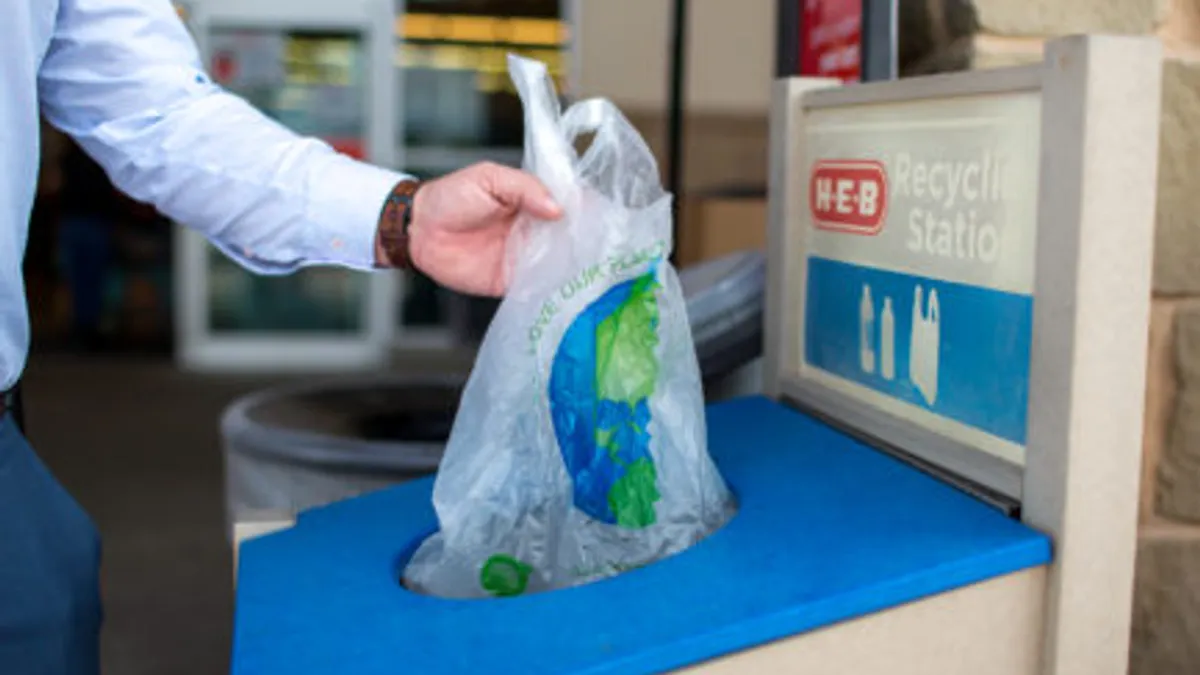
(924, 346)
(579, 449)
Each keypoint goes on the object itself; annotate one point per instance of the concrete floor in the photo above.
(137, 443)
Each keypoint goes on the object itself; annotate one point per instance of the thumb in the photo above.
(522, 191)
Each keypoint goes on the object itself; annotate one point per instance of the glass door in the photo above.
(312, 82)
(459, 107)
(324, 70)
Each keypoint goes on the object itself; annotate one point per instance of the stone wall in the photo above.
(994, 33)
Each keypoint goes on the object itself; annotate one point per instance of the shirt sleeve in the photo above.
(124, 78)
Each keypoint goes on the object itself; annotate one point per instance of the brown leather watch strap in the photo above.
(394, 223)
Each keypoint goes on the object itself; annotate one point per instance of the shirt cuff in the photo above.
(345, 209)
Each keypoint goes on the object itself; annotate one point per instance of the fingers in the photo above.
(521, 190)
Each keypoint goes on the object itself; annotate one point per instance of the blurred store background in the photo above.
(143, 335)
(106, 274)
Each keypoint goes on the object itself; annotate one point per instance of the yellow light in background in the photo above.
(453, 57)
(494, 61)
(486, 29)
(481, 58)
(320, 61)
(489, 83)
(412, 56)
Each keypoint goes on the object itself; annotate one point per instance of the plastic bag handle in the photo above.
(550, 132)
(548, 154)
(593, 115)
(613, 132)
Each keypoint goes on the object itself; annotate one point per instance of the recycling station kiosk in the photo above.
(941, 476)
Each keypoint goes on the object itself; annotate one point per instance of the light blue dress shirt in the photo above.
(124, 79)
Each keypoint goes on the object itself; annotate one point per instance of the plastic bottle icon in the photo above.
(887, 341)
(866, 330)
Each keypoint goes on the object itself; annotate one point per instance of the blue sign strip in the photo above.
(967, 358)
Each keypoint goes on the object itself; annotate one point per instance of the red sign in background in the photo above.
(831, 39)
(352, 147)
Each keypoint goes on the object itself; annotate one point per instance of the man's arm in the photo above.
(123, 77)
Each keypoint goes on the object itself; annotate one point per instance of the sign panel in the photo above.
(920, 238)
(831, 39)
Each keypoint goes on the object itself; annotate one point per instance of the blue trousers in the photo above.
(50, 610)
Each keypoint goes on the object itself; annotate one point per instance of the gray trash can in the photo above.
(298, 446)
(293, 447)
(725, 300)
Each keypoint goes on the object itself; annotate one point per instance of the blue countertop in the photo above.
(827, 530)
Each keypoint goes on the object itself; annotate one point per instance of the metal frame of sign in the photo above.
(199, 347)
(1096, 190)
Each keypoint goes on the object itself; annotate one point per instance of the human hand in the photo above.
(461, 222)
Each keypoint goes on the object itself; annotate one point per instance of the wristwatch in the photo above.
(394, 224)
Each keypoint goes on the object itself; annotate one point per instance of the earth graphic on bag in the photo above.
(601, 380)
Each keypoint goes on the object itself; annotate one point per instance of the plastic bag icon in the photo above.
(924, 347)
(579, 449)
